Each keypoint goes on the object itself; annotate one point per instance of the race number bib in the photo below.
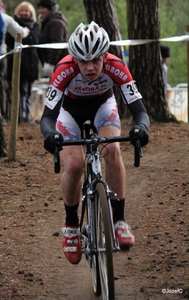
(130, 92)
(52, 97)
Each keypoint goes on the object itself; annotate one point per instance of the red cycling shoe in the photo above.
(123, 234)
(71, 244)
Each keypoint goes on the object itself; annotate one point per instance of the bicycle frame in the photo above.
(93, 175)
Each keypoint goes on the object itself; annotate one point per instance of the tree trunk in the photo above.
(144, 60)
(104, 14)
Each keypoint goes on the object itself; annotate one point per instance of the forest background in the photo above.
(173, 16)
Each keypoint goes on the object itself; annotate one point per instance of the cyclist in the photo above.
(80, 88)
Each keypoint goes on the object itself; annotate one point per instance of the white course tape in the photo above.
(130, 42)
(176, 38)
(53, 46)
(113, 43)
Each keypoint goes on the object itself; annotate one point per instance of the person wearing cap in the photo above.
(80, 89)
(53, 30)
(165, 57)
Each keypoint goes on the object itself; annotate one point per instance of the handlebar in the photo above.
(96, 140)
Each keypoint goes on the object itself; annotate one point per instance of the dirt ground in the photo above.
(32, 264)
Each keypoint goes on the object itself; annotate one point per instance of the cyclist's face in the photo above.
(91, 69)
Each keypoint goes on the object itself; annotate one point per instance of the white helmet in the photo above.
(88, 42)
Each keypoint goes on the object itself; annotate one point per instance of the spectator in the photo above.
(25, 15)
(12, 27)
(2, 29)
(53, 30)
(165, 57)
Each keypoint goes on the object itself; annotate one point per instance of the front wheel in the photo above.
(104, 247)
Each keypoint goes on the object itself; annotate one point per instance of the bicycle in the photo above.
(96, 220)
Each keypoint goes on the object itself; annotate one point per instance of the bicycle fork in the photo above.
(87, 233)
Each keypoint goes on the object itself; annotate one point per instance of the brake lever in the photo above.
(56, 160)
(56, 157)
(137, 151)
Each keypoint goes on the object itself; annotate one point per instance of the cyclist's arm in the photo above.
(139, 113)
(48, 119)
(53, 101)
(133, 99)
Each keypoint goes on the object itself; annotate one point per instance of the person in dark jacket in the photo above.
(25, 15)
(53, 30)
(165, 57)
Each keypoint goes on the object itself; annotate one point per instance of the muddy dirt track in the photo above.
(33, 266)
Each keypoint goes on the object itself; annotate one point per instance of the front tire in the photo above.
(104, 244)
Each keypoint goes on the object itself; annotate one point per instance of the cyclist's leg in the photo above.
(108, 118)
(72, 157)
(115, 169)
(71, 184)
(107, 122)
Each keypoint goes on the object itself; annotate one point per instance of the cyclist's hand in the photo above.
(138, 132)
(53, 139)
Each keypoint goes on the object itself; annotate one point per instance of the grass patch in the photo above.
(148, 268)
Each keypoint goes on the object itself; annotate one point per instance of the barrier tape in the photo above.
(113, 43)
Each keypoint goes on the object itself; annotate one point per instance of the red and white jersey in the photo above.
(67, 79)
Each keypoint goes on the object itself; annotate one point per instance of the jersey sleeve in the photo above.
(120, 74)
(63, 73)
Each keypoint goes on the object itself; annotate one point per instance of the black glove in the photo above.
(53, 139)
(139, 132)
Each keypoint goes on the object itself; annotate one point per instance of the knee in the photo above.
(75, 167)
(114, 153)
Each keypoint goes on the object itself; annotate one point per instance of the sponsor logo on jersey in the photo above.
(64, 74)
(117, 72)
(90, 89)
(113, 115)
(62, 128)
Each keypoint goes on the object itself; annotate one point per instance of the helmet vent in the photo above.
(86, 44)
(96, 46)
(105, 46)
(77, 31)
(80, 36)
(78, 49)
(92, 36)
(95, 28)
